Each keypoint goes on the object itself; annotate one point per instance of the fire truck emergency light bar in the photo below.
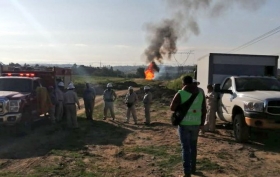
(19, 74)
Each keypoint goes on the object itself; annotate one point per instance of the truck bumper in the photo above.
(10, 119)
(262, 123)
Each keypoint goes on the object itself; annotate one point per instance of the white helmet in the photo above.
(109, 85)
(71, 86)
(195, 81)
(130, 88)
(61, 84)
(147, 88)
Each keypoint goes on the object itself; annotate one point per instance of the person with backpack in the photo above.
(188, 128)
(109, 96)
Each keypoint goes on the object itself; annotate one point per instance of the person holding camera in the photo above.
(130, 100)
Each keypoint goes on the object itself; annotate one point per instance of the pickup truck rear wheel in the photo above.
(241, 130)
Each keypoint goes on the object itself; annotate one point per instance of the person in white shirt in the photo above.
(109, 97)
(70, 101)
(211, 105)
(59, 91)
(130, 100)
(147, 104)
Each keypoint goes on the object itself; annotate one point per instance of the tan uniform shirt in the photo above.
(147, 98)
(212, 99)
(131, 98)
(59, 94)
(70, 97)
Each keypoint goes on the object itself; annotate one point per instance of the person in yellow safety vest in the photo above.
(109, 96)
(211, 105)
(131, 99)
(147, 104)
(59, 91)
(70, 101)
(189, 127)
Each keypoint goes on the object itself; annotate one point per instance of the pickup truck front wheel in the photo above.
(25, 126)
(241, 130)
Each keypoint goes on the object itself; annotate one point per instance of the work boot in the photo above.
(147, 123)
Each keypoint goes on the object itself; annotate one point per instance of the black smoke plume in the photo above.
(184, 23)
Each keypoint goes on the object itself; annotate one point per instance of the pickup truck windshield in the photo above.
(251, 84)
(14, 84)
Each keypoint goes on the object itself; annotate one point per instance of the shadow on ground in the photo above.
(267, 140)
(46, 138)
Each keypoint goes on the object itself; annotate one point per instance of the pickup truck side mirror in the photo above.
(226, 91)
(217, 88)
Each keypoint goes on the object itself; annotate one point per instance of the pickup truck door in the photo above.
(224, 103)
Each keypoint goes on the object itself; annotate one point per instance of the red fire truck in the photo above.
(18, 97)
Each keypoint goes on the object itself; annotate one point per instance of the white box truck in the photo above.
(247, 87)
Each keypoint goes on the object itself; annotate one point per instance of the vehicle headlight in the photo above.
(14, 105)
(254, 106)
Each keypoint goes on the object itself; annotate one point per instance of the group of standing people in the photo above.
(64, 103)
(200, 116)
(131, 98)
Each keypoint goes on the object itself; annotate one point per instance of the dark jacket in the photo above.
(89, 94)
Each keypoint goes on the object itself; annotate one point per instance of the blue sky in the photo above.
(113, 31)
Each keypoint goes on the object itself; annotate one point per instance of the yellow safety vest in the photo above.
(193, 116)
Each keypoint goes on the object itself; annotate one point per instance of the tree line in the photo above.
(83, 70)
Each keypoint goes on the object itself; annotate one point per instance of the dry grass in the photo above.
(112, 148)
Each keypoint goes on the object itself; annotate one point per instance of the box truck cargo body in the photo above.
(217, 66)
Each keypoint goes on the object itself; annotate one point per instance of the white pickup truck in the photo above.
(249, 101)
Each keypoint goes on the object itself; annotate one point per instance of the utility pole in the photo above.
(180, 67)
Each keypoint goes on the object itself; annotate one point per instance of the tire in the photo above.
(24, 127)
(240, 129)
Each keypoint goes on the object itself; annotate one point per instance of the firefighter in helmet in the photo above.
(109, 96)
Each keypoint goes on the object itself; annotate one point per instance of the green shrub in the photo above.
(176, 84)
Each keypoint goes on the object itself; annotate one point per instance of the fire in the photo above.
(150, 71)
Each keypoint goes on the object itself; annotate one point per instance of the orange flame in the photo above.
(150, 71)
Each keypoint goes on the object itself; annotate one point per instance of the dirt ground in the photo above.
(112, 148)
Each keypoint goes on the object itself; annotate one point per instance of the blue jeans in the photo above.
(188, 137)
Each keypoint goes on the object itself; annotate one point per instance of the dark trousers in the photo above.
(89, 105)
(188, 137)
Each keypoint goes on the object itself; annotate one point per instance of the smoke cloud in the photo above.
(184, 22)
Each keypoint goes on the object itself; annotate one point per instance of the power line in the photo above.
(261, 37)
